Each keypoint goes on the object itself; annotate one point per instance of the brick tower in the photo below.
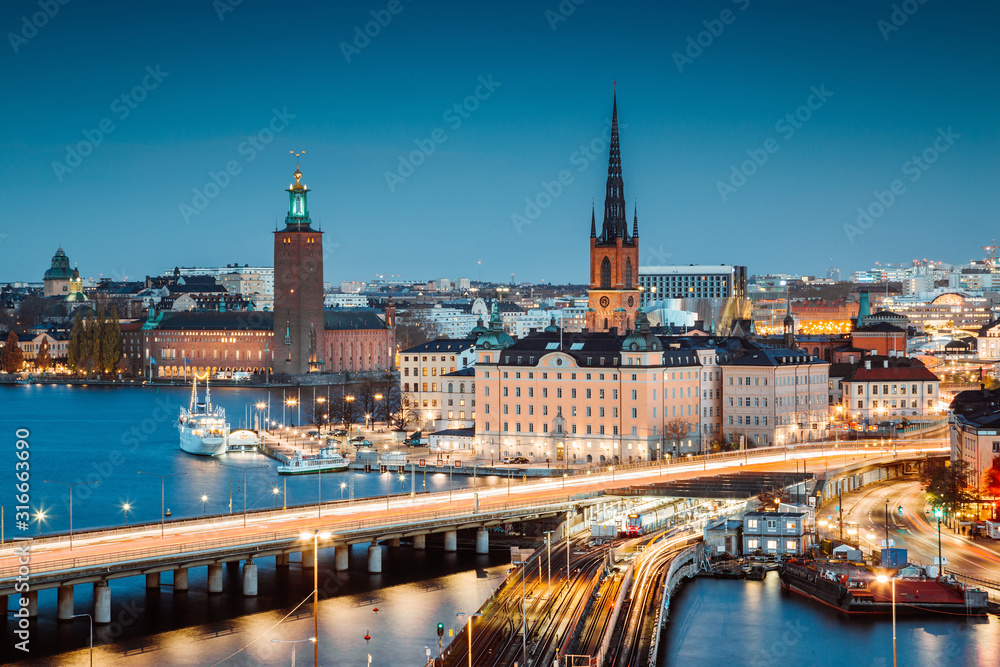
(298, 288)
(613, 297)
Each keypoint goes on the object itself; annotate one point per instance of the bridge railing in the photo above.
(267, 540)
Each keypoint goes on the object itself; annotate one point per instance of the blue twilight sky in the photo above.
(892, 83)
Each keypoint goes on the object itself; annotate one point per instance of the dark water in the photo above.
(108, 434)
(753, 623)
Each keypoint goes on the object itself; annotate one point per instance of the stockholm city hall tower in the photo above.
(613, 297)
(298, 288)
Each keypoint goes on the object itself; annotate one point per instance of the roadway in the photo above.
(916, 531)
(343, 516)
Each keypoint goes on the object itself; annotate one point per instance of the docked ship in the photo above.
(203, 429)
(329, 459)
(854, 589)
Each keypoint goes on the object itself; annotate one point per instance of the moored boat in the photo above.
(204, 430)
(329, 459)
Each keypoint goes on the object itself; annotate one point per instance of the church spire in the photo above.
(635, 222)
(615, 222)
(593, 222)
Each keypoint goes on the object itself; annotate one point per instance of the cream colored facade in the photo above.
(977, 441)
(422, 371)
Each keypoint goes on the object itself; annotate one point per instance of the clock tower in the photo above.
(298, 288)
(614, 254)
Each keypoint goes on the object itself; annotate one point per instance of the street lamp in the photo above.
(70, 506)
(293, 642)
(204, 505)
(275, 491)
(91, 623)
(938, 513)
(162, 478)
(316, 535)
(883, 579)
(40, 518)
(343, 485)
(244, 469)
(378, 397)
(125, 508)
(469, 632)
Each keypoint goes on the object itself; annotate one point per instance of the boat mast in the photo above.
(194, 393)
(208, 396)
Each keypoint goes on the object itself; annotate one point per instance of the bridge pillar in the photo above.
(281, 560)
(419, 541)
(307, 558)
(180, 579)
(341, 557)
(374, 558)
(32, 605)
(249, 578)
(64, 604)
(215, 578)
(482, 541)
(102, 602)
(451, 540)
(394, 542)
(153, 581)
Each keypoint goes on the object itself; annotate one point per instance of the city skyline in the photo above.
(172, 178)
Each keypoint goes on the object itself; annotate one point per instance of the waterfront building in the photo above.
(424, 373)
(775, 533)
(881, 387)
(975, 439)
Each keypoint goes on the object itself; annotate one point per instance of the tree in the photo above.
(74, 349)
(343, 408)
(43, 359)
(321, 416)
(676, 430)
(90, 343)
(947, 485)
(412, 329)
(11, 357)
(365, 396)
(991, 483)
(111, 342)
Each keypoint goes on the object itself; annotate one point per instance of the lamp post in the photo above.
(315, 537)
(350, 401)
(244, 469)
(321, 400)
(378, 397)
(469, 631)
(71, 506)
(293, 642)
(275, 491)
(162, 478)
(883, 579)
(343, 485)
(204, 505)
(40, 518)
(91, 623)
(938, 512)
(125, 508)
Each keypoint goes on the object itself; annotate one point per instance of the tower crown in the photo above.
(298, 206)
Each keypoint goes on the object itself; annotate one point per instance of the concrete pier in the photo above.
(482, 541)
(32, 606)
(180, 579)
(341, 558)
(215, 578)
(393, 542)
(451, 540)
(419, 541)
(249, 578)
(102, 602)
(281, 560)
(153, 581)
(308, 558)
(64, 603)
(374, 558)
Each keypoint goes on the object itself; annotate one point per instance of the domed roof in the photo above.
(60, 267)
(495, 337)
(552, 328)
(478, 330)
(641, 340)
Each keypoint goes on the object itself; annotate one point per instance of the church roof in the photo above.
(60, 267)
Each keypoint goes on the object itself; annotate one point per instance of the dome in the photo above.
(552, 328)
(478, 330)
(60, 267)
(641, 340)
(495, 337)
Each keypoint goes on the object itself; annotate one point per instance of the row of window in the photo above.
(753, 544)
(892, 388)
(434, 371)
(902, 403)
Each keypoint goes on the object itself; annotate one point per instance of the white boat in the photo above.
(203, 429)
(329, 459)
(242, 439)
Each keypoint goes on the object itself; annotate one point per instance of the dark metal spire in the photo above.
(635, 223)
(593, 222)
(615, 222)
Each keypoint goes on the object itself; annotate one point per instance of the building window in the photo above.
(772, 545)
(753, 544)
(791, 545)
(752, 523)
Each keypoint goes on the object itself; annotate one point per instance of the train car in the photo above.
(633, 525)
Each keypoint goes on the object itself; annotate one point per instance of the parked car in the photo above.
(516, 460)
(358, 438)
(340, 432)
(314, 434)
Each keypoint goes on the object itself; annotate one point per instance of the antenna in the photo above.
(297, 155)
